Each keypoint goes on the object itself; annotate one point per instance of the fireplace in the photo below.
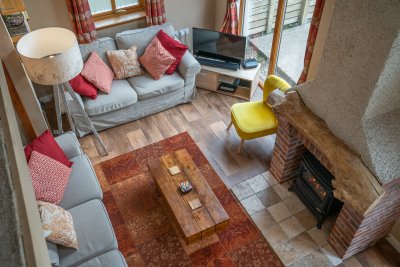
(369, 211)
(313, 185)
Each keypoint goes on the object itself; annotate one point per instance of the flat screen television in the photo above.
(219, 44)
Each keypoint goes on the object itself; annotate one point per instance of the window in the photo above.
(110, 8)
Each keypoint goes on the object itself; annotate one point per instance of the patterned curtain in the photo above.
(312, 36)
(231, 22)
(81, 17)
(155, 12)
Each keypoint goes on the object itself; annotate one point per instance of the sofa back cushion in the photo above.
(141, 37)
(100, 46)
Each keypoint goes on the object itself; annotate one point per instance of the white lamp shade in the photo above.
(50, 55)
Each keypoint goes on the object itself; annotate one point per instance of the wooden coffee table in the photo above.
(194, 224)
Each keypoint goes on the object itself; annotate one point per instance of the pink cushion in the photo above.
(156, 59)
(47, 145)
(49, 177)
(174, 47)
(98, 73)
(83, 87)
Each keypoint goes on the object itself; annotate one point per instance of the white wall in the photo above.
(48, 13)
(180, 13)
(191, 13)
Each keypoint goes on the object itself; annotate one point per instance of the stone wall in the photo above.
(357, 81)
(11, 249)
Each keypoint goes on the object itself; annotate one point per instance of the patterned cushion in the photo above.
(125, 63)
(98, 73)
(156, 59)
(174, 47)
(58, 225)
(49, 177)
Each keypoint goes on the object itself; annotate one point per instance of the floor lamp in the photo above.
(51, 56)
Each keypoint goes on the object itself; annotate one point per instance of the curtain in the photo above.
(155, 12)
(231, 21)
(81, 17)
(312, 36)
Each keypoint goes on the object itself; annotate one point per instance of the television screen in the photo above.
(219, 43)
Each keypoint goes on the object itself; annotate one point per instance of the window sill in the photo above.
(122, 19)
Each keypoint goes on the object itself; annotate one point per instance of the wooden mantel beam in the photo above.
(354, 183)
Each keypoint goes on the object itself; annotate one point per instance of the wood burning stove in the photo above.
(314, 187)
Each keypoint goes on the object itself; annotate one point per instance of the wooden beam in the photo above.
(35, 249)
(280, 15)
(19, 108)
(354, 183)
(241, 12)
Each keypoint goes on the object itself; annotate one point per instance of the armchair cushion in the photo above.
(253, 119)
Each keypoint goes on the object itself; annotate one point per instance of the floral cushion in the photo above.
(49, 177)
(98, 73)
(125, 63)
(58, 225)
(156, 59)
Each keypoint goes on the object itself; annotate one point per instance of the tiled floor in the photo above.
(286, 223)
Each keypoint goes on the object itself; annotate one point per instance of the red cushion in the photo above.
(46, 144)
(49, 178)
(175, 48)
(83, 87)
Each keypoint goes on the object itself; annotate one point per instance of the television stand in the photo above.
(210, 78)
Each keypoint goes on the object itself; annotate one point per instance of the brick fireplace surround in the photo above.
(352, 231)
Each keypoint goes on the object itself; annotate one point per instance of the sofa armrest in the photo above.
(69, 144)
(189, 68)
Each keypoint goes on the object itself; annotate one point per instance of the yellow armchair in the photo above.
(256, 119)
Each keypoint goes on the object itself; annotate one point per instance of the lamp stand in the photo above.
(57, 104)
(59, 90)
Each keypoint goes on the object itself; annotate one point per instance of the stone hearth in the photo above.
(370, 209)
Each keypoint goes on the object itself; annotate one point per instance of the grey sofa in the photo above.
(82, 198)
(139, 96)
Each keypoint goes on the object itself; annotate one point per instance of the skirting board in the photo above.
(394, 242)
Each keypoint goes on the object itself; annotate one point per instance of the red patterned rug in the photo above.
(147, 235)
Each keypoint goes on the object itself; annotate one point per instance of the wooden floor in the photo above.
(206, 120)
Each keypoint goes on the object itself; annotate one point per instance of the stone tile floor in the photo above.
(286, 223)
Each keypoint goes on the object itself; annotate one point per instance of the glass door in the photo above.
(288, 44)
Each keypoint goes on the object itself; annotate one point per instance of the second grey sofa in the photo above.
(134, 98)
(82, 198)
